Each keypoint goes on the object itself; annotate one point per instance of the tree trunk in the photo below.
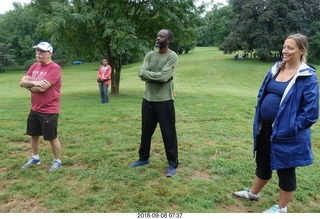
(115, 63)
(115, 81)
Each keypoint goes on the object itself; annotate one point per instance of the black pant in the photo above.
(164, 113)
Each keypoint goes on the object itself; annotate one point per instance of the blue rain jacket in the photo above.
(298, 111)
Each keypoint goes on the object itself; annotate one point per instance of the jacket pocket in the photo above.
(287, 129)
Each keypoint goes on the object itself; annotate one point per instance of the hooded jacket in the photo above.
(104, 75)
(298, 111)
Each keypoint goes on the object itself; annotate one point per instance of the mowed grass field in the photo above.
(215, 103)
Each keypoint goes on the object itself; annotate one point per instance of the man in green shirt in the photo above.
(157, 72)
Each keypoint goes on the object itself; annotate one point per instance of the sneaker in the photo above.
(30, 162)
(139, 163)
(55, 165)
(171, 171)
(276, 209)
(245, 193)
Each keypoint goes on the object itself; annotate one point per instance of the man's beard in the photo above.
(161, 45)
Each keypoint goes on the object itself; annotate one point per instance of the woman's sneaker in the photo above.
(30, 162)
(276, 209)
(245, 193)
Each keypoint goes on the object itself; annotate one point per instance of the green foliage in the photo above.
(6, 56)
(125, 30)
(264, 24)
(216, 27)
(263, 54)
(120, 30)
(215, 101)
(28, 63)
(18, 29)
(314, 55)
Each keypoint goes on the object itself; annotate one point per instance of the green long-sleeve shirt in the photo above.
(157, 71)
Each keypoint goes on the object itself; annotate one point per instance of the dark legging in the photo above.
(287, 176)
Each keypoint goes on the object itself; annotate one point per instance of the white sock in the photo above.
(284, 210)
(252, 193)
(58, 160)
(36, 157)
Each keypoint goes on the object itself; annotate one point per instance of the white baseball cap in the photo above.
(44, 46)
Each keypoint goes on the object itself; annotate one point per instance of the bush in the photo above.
(1, 68)
(28, 63)
(314, 49)
(263, 54)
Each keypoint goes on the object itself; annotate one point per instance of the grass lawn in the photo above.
(215, 103)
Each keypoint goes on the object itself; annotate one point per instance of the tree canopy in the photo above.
(261, 26)
(121, 30)
(215, 25)
(124, 30)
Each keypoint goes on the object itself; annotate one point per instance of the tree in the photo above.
(18, 30)
(263, 25)
(314, 53)
(115, 29)
(216, 28)
(6, 56)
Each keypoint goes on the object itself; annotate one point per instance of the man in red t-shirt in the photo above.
(43, 80)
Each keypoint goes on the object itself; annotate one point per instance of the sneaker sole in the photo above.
(31, 165)
(240, 197)
(170, 175)
(133, 166)
(51, 170)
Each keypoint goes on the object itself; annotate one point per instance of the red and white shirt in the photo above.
(47, 102)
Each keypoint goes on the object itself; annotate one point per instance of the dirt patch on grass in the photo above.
(19, 146)
(239, 206)
(194, 174)
(22, 205)
(4, 169)
(19, 143)
(201, 175)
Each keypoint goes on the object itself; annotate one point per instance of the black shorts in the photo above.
(42, 124)
(287, 176)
